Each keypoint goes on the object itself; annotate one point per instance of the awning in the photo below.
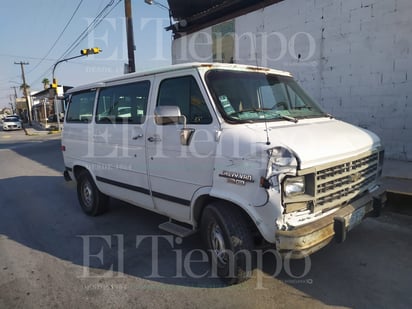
(193, 15)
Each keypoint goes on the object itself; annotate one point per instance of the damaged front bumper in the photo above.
(307, 239)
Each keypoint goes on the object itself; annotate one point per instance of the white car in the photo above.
(11, 123)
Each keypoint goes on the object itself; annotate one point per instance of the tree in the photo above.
(25, 88)
(45, 83)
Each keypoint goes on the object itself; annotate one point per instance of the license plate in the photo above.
(356, 217)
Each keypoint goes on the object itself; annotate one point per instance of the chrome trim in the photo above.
(336, 184)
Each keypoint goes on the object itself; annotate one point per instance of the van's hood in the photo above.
(319, 141)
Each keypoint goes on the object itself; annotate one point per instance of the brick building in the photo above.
(354, 57)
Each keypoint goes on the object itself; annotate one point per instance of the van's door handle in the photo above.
(154, 139)
(137, 137)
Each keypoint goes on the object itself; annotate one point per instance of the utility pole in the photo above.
(15, 92)
(15, 99)
(129, 33)
(11, 104)
(22, 64)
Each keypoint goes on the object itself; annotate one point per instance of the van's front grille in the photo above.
(336, 184)
(343, 181)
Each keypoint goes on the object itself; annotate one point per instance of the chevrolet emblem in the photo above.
(355, 177)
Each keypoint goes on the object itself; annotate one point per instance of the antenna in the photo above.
(256, 54)
(260, 109)
(267, 132)
(260, 95)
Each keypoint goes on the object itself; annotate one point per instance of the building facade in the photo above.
(354, 57)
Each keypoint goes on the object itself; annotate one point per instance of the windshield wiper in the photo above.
(288, 118)
(258, 110)
(247, 110)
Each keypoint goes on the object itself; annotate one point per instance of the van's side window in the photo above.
(81, 107)
(184, 92)
(123, 103)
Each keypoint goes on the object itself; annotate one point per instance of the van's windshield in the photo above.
(259, 96)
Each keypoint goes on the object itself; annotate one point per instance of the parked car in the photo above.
(11, 123)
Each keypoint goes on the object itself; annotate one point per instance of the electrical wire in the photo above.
(58, 38)
(96, 21)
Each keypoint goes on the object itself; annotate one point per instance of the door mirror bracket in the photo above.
(166, 115)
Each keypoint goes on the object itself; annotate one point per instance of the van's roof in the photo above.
(178, 67)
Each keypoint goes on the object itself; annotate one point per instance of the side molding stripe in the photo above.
(123, 185)
(162, 196)
(171, 198)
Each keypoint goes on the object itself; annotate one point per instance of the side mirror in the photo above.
(165, 115)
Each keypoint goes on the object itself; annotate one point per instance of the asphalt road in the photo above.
(52, 255)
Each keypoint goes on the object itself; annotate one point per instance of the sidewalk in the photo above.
(397, 176)
(38, 129)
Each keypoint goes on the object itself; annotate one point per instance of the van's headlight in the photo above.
(294, 186)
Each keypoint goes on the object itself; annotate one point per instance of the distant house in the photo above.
(43, 104)
(21, 108)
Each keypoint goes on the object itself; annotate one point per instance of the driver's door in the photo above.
(177, 171)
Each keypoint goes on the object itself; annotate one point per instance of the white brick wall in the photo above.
(360, 69)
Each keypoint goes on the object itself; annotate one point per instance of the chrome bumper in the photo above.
(307, 239)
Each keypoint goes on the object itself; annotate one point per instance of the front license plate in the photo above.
(356, 217)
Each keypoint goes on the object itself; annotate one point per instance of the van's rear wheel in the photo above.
(92, 201)
(229, 242)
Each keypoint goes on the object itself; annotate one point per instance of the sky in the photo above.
(34, 32)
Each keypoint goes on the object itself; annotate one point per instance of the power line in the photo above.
(58, 38)
(26, 57)
(96, 21)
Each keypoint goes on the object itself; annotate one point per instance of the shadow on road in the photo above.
(371, 267)
(44, 150)
(50, 220)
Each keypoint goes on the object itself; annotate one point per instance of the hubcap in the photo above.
(218, 243)
(87, 193)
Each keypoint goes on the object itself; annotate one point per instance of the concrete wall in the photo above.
(353, 56)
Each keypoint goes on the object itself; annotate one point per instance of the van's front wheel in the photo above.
(229, 242)
(92, 201)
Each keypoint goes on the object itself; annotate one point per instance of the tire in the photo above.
(228, 241)
(92, 201)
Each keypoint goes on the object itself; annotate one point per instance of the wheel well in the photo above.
(77, 170)
(205, 200)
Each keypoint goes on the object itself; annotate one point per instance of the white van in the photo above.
(239, 153)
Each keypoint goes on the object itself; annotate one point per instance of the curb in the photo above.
(397, 185)
(32, 132)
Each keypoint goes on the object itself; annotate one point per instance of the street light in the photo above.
(151, 2)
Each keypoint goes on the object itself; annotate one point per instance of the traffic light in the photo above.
(54, 83)
(90, 51)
